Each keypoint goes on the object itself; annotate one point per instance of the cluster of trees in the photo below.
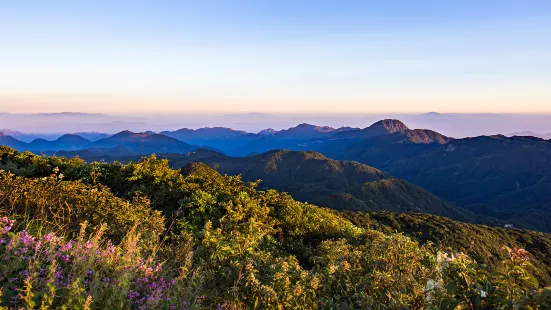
(145, 236)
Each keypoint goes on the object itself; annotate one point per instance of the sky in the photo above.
(220, 56)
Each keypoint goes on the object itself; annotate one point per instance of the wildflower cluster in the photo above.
(52, 272)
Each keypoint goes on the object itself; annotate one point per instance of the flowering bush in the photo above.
(91, 273)
(50, 272)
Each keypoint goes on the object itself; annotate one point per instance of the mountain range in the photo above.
(130, 142)
(227, 140)
(503, 177)
(506, 178)
(449, 124)
(545, 136)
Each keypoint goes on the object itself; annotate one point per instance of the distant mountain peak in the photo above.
(390, 125)
(220, 130)
(124, 133)
(182, 130)
(39, 140)
(305, 130)
(143, 143)
(9, 132)
(72, 138)
(267, 132)
(306, 126)
(128, 133)
(215, 129)
(545, 136)
(346, 128)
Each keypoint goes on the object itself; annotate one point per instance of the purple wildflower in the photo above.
(88, 245)
(59, 276)
(133, 295)
(7, 223)
(67, 246)
(49, 238)
(26, 239)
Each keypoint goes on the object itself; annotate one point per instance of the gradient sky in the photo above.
(275, 56)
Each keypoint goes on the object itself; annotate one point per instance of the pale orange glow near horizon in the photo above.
(400, 103)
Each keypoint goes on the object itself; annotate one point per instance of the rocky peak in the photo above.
(390, 125)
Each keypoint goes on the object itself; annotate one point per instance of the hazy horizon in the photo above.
(455, 125)
(129, 57)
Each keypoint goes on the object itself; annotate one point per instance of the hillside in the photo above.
(508, 178)
(11, 142)
(312, 177)
(173, 239)
(340, 185)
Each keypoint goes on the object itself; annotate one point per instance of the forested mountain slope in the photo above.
(503, 177)
(506, 178)
(314, 178)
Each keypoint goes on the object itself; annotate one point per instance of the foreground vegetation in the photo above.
(145, 236)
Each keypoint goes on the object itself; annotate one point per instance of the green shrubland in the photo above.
(144, 236)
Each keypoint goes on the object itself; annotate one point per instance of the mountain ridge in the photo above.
(312, 177)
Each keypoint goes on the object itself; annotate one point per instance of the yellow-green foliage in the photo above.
(480, 242)
(31, 165)
(223, 245)
(61, 206)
